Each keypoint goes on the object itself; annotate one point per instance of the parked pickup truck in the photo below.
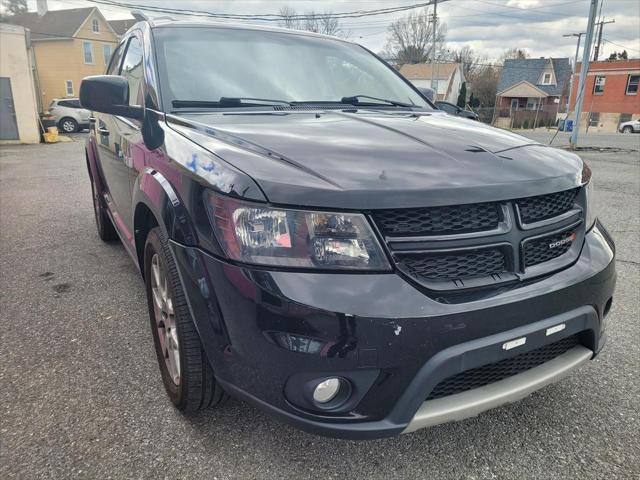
(316, 239)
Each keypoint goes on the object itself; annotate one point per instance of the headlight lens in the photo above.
(587, 181)
(262, 235)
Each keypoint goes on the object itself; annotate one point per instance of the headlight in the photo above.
(257, 234)
(587, 181)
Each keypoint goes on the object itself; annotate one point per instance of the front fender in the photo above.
(154, 191)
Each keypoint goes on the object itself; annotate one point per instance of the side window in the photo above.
(132, 70)
(114, 62)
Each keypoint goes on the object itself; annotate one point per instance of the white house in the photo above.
(447, 78)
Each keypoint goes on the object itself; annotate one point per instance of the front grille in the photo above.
(457, 265)
(438, 220)
(542, 207)
(547, 248)
(508, 367)
(476, 246)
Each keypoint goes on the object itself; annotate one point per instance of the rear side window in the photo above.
(132, 70)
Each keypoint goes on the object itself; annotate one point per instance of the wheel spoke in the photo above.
(157, 304)
(165, 319)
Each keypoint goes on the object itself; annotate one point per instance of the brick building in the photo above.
(610, 95)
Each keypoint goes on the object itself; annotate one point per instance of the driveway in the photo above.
(81, 394)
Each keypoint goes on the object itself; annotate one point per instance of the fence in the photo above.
(510, 119)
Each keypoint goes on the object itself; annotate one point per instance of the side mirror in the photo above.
(108, 94)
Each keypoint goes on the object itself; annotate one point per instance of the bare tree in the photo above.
(514, 53)
(289, 19)
(470, 60)
(410, 39)
(324, 23)
(484, 85)
(11, 8)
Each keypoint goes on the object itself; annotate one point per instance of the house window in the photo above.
(106, 53)
(532, 103)
(95, 26)
(68, 85)
(514, 104)
(632, 84)
(594, 119)
(546, 80)
(87, 50)
(598, 85)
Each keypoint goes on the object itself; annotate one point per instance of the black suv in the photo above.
(317, 239)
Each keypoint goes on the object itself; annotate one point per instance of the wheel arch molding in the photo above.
(156, 203)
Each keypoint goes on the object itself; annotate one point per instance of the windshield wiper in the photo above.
(229, 102)
(355, 100)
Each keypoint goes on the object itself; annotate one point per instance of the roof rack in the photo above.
(139, 16)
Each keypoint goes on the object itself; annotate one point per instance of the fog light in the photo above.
(327, 390)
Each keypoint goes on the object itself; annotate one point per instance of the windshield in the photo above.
(206, 64)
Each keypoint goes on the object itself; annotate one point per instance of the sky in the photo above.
(487, 26)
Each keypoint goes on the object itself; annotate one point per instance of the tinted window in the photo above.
(114, 63)
(210, 63)
(69, 103)
(447, 108)
(132, 70)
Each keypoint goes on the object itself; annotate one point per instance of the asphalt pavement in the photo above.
(81, 395)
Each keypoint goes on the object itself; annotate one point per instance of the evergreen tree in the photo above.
(462, 96)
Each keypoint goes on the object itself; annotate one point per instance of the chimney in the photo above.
(42, 7)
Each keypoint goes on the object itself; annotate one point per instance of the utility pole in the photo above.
(433, 49)
(584, 68)
(596, 50)
(575, 65)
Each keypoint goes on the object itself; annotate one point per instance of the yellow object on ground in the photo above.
(51, 135)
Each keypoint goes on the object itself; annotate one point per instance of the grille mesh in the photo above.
(508, 367)
(534, 209)
(538, 251)
(438, 220)
(458, 265)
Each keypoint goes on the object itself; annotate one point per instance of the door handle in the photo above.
(103, 131)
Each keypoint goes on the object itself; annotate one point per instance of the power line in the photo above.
(267, 17)
(621, 46)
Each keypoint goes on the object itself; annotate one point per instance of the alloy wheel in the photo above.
(68, 126)
(165, 319)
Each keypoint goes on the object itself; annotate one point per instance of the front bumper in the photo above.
(264, 329)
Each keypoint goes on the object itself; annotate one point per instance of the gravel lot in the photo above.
(81, 394)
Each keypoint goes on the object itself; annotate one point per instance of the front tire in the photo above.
(186, 374)
(68, 125)
(627, 130)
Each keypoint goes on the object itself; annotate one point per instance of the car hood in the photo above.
(379, 159)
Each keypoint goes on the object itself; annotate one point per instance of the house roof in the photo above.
(121, 26)
(54, 23)
(529, 70)
(419, 71)
(523, 89)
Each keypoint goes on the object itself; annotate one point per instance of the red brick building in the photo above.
(611, 94)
